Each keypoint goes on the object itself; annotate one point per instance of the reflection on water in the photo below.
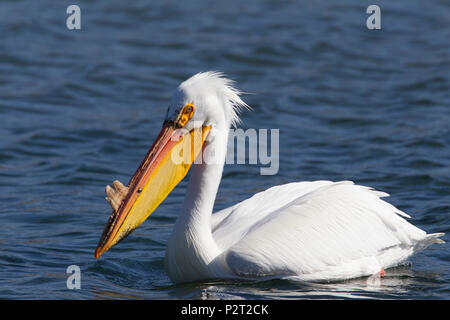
(395, 284)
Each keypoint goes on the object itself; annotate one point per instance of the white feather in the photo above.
(315, 231)
(332, 231)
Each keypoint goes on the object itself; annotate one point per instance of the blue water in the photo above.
(80, 108)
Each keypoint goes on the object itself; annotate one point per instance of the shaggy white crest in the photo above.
(212, 94)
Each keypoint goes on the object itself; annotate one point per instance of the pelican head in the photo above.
(203, 102)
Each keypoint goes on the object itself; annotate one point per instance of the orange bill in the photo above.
(165, 165)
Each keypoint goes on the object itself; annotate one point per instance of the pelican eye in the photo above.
(185, 115)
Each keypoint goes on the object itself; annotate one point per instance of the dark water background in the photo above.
(79, 109)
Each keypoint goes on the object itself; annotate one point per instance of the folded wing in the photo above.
(331, 231)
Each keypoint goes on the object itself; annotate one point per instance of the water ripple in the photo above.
(80, 109)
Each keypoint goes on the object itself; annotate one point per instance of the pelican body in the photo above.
(307, 231)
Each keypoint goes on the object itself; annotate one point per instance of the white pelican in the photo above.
(307, 231)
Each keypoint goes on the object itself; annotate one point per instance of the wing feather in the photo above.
(331, 231)
(231, 224)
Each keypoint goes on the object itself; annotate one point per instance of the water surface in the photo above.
(79, 109)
